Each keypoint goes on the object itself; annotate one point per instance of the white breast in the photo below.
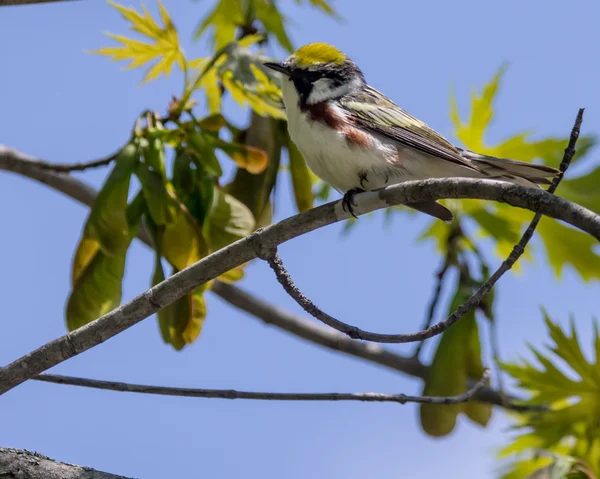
(330, 156)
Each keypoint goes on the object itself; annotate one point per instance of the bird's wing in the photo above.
(374, 112)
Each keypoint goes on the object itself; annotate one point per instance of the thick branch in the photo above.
(246, 249)
(268, 396)
(21, 464)
(271, 256)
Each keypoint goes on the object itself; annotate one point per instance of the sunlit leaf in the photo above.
(274, 22)
(163, 47)
(321, 5)
(224, 20)
(247, 157)
(574, 398)
(243, 74)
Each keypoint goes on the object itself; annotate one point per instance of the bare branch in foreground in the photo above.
(232, 394)
(71, 167)
(272, 257)
(74, 188)
(8, 3)
(21, 464)
(244, 250)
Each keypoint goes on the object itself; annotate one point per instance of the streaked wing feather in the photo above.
(374, 112)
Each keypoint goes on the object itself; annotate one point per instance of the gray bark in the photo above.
(23, 464)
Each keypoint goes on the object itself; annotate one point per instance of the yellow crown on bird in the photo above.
(318, 53)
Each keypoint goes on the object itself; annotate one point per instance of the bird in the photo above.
(356, 139)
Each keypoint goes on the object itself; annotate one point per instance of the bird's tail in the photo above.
(513, 171)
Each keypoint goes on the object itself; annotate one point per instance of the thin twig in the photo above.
(244, 250)
(272, 257)
(266, 396)
(69, 168)
(450, 256)
(17, 162)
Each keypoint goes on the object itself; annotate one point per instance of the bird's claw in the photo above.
(348, 200)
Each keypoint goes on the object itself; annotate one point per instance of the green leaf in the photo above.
(97, 290)
(187, 322)
(180, 322)
(301, 178)
(322, 5)
(193, 186)
(252, 159)
(568, 246)
(457, 359)
(107, 220)
(583, 190)
(266, 11)
(482, 112)
(97, 276)
(181, 241)
(243, 74)
(228, 221)
(526, 468)
(164, 46)
(255, 190)
(224, 19)
(203, 146)
(574, 398)
(161, 203)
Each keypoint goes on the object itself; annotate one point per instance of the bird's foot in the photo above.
(348, 200)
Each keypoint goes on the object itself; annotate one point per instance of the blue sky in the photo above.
(64, 105)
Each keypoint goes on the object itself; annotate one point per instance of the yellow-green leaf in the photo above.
(180, 322)
(85, 253)
(255, 190)
(266, 11)
(203, 146)
(96, 276)
(301, 178)
(224, 19)
(97, 290)
(164, 45)
(228, 221)
(250, 158)
(181, 241)
(472, 132)
(107, 220)
(188, 319)
(568, 246)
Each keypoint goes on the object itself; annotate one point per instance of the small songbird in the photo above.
(355, 139)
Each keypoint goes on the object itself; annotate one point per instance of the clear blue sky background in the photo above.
(63, 105)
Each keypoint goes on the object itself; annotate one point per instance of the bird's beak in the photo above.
(278, 67)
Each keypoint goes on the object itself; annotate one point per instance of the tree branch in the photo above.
(16, 162)
(8, 3)
(246, 249)
(21, 464)
(271, 256)
(71, 167)
(232, 394)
